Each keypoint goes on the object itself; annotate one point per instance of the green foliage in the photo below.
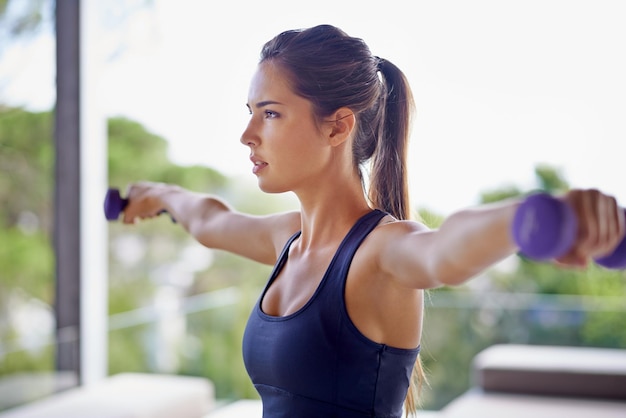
(128, 350)
(136, 155)
(219, 336)
(27, 264)
(500, 194)
(26, 256)
(28, 19)
(20, 361)
(430, 219)
(550, 179)
(26, 161)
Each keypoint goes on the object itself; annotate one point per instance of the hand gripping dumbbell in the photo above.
(114, 204)
(545, 228)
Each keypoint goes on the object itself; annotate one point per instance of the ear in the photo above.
(341, 124)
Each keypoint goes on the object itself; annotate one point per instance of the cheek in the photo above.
(305, 150)
(295, 141)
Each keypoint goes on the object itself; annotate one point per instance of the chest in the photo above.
(296, 283)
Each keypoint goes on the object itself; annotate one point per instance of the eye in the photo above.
(269, 114)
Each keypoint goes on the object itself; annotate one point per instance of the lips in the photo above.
(258, 164)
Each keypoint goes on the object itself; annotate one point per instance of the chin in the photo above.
(272, 188)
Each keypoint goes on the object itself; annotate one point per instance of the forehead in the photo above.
(269, 82)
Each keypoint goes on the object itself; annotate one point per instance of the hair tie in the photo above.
(379, 63)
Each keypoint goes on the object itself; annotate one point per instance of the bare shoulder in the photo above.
(391, 232)
(390, 228)
(393, 248)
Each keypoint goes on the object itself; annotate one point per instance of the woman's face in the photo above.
(287, 148)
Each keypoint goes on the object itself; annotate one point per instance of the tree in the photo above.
(26, 18)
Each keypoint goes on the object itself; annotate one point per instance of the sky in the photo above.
(500, 86)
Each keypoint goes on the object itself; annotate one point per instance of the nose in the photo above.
(248, 137)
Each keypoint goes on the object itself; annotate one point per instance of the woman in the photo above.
(336, 332)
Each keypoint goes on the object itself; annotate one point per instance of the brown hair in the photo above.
(333, 70)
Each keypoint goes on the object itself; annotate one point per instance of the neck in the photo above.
(328, 212)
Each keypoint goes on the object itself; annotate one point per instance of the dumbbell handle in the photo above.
(114, 204)
(545, 228)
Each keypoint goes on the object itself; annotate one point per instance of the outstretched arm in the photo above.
(211, 221)
(471, 240)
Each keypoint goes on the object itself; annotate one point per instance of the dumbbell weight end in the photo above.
(545, 228)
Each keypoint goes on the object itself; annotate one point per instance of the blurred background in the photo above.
(511, 97)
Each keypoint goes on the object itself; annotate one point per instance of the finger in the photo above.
(584, 203)
(614, 221)
(621, 223)
(600, 223)
(603, 218)
(142, 202)
(136, 195)
(589, 228)
(128, 217)
(572, 260)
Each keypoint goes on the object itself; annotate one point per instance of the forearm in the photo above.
(195, 212)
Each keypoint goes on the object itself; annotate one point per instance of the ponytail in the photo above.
(389, 189)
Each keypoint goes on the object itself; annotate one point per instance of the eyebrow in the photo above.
(265, 103)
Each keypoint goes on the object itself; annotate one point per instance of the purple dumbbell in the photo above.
(114, 204)
(545, 228)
